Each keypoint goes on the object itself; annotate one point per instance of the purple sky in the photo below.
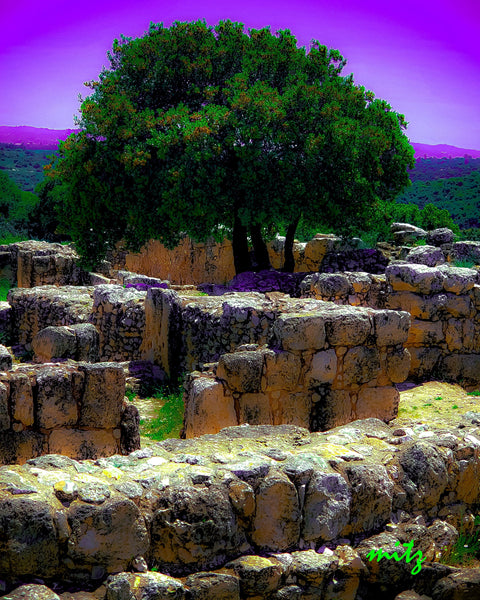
(422, 56)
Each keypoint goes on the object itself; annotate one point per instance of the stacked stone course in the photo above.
(74, 410)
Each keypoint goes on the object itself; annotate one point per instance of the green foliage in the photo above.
(23, 166)
(466, 548)
(130, 394)
(169, 420)
(429, 169)
(215, 131)
(474, 393)
(4, 288)
(16, 207)
(464, 263)
(459, 196)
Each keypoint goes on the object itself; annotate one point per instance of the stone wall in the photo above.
(326, 366)
(444, 301)
(32, 263)
(250, 513)
(74, 410)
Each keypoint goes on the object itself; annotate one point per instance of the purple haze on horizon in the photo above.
(423, 58)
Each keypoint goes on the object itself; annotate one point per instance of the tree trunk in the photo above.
(289, 263)
(241, 256)
(260, 248)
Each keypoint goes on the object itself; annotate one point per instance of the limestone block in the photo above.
(299, 332)
(333, 408)
(425, 333)
(453, 335)
(330, 285)
(464, 251)
(21, 398)
(144, 585)
(440, 236)
(426, 255)
(83, 443)
(423, 361)
(467, 482)
(312, 571)
(102, 401)
(398, 365)
(193, 527)
(414, 278)
(56, 405)
(323, 368)
(459, 306)
(213, 585)
(5, 359)
(351, 566)
(29, 531)
(461, 366)
(254, 409)
(258, 576)
(242, 371)
(16, 447)
(422, 307)
(347, 326)
(282, 371)
(87, 342)
(425, 466)
(316, 249)
(379, 402)
(54, 342)
(360, 364)
(471, 339)
(360, 282)
(276, 524)
(4, 414)
(242, 497)
(327, 507)
(291, 408)
(458, 280)
(109, 534)
(32, 591)
(372, 495)
(207, 409)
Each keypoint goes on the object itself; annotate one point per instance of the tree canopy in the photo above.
(214, 131)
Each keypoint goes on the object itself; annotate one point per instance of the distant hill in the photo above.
(442, 151)
(34, 138)
(47, 139)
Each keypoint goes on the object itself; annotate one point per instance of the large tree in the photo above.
(215, 131)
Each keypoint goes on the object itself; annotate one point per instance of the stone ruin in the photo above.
(297, 475)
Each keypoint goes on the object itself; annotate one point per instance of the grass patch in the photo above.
(466, 549)
(454, 406)
(169, 420)
(474, 393)
(130, 394)
(428, 404)
(4, 288)
(464, 263)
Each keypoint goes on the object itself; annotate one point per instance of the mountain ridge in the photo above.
(43, 138)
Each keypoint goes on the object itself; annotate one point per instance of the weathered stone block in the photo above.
(423, 361)
(276, 525)
(104, 390)
(347, 326)
(327, 507)
(207, 409)
(426, 255)
(259, 576)
(398, 365)
(422, 307)
(21, 398)
(333, 408)
(56, 405)
(425, 333)
(291, 408)
(414, 278)
(360, 364)
(110, 534)
(242, 371)
(461, 366)
(213, 586)
(458, 280)
(323, 368)
(282, 371)
(5, 359)
(4, 413)
(83, 443)
(297, 332)
(379, 402)
(254, 409)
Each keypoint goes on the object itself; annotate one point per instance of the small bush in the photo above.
(464, 263)
(4, 289)
(466, 549)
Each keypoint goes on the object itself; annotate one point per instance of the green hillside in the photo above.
(23, 166)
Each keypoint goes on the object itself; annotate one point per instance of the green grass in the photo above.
(466, 548)
(4, 288)
(428, 404)
(130, 395)
(454, 406)
(169, 420)
(474, 393)
(464, 263)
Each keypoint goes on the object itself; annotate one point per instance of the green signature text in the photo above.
(379, 554)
